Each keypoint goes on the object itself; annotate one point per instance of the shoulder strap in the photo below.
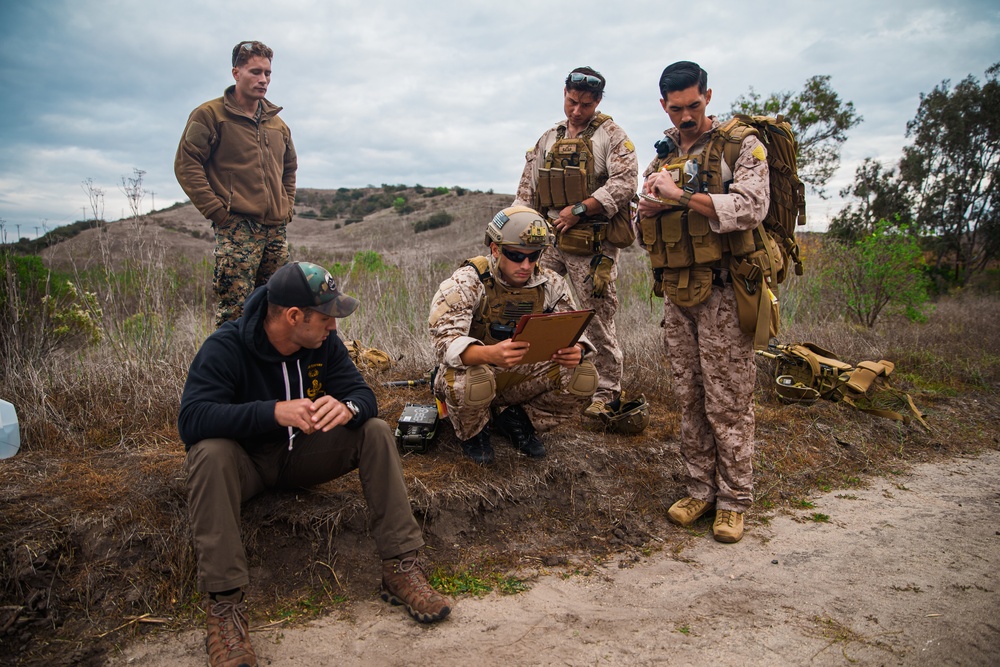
(482, 266)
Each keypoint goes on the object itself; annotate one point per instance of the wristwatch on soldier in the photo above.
(353, 408)
(579, 210)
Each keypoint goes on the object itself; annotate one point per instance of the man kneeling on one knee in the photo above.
(479, 371)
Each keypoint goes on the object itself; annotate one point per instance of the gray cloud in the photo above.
(447, 94)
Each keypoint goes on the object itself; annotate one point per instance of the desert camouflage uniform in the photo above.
(543, 388)
(712, 360)
(614, 156)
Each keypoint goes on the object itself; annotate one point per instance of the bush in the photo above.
(401, 206)
(882, 273)
(439, 219)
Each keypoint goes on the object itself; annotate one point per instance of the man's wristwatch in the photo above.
(579, 210)
(353, 408)
(685, 198)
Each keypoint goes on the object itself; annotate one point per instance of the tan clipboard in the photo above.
(550, 332)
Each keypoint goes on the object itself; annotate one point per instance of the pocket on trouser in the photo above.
(687, 287)
(480, 386)
(583, 381)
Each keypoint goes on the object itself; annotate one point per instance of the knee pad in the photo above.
(480, 386)
(583, 381)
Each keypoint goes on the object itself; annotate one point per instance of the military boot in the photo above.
(478, 447)
(404, 582)
(598, 409)
(687, 510)
(228, 640)
(515, 425)
(728, 526)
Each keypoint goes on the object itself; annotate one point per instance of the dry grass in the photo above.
(92, 510)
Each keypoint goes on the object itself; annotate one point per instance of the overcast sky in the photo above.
(441, 93)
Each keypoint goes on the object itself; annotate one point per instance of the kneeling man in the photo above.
(479, 370)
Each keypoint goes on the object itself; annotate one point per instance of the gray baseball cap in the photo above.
(307, 285)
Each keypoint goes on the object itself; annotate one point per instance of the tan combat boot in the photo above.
(228, 638)
(728, 526)
(404, 582)
(687, 510)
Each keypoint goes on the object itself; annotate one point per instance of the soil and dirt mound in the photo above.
(901, 573)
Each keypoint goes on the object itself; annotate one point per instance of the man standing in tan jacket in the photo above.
(236, 162)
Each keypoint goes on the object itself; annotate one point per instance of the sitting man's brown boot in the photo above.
(687, 510)
(728, 526)
(228, 638)
(404, 582)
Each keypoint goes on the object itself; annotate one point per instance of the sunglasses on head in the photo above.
(588, 80)
(246, 46)
(518, 257)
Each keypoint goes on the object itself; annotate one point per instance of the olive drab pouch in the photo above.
(621, 232)
(688, 286)
(575, 184)
(706, 245)
(580, 240)
(545, 188)
(557, 182)
(676, 239)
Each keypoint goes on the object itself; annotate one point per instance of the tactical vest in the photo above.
(681, 237)
(568, 177)
(497, 314)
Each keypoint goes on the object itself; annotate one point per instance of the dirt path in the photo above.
(903, 573)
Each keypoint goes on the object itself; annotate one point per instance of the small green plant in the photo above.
(819, 517)
(684, 630)
(468, 582)
(803, 504)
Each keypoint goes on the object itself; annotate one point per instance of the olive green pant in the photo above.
(221, 475)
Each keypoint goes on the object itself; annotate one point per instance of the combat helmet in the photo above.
(519, 226)
(630, 419)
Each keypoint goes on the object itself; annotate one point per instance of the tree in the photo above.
(952, 170)
(820, 120)
(880, 195)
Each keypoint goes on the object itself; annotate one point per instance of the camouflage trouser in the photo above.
(601, 330)
(549, 393)
(246, 255)
(713, 371)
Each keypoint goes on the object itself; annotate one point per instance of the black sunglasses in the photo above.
(518, 257)
(588, 80)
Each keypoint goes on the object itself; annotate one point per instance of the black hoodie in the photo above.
(237, 377)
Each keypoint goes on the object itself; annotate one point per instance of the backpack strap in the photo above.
(482, 266)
